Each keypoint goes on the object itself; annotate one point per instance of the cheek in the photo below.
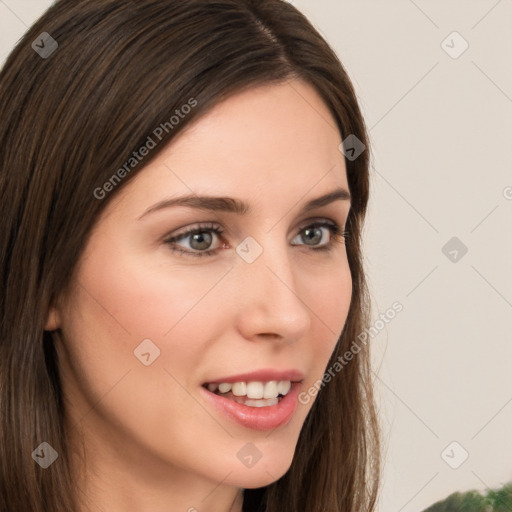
(330, 303)
(123, 300)
(145, 298)
(332, 297)
(114, 307)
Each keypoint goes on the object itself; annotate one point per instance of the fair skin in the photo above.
(152, 443)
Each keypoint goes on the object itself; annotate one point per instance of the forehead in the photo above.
(266, 127)
(272, 141)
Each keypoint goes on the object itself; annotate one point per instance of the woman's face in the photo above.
(148, 322)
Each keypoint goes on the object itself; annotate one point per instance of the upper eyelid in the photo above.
(212, 226)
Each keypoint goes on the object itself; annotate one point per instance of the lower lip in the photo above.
(257, 418)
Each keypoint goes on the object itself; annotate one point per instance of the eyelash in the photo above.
(337, 236)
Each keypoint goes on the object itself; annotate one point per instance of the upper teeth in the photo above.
(253, 389)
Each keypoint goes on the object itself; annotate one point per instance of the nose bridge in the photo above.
(270, 300)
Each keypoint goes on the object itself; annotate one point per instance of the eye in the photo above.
(314, 233)
(201, 237)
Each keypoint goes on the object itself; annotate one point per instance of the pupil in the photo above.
(201, 238)
(316, 237)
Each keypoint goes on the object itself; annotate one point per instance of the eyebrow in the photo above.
(231, 205)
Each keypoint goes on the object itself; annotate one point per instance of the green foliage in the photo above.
(495, 500)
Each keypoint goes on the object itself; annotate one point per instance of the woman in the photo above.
(161, 159)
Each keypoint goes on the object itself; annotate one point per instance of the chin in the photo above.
(261, 475)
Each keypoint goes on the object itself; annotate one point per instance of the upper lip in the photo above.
(263, 375)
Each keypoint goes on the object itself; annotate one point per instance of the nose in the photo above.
(271, 301)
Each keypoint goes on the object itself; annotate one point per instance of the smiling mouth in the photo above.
(253, 393)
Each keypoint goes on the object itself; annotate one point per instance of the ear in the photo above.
(53, 320)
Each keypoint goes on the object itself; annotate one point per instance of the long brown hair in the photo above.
(73, 116)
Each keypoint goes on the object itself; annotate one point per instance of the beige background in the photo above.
(441, 129)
